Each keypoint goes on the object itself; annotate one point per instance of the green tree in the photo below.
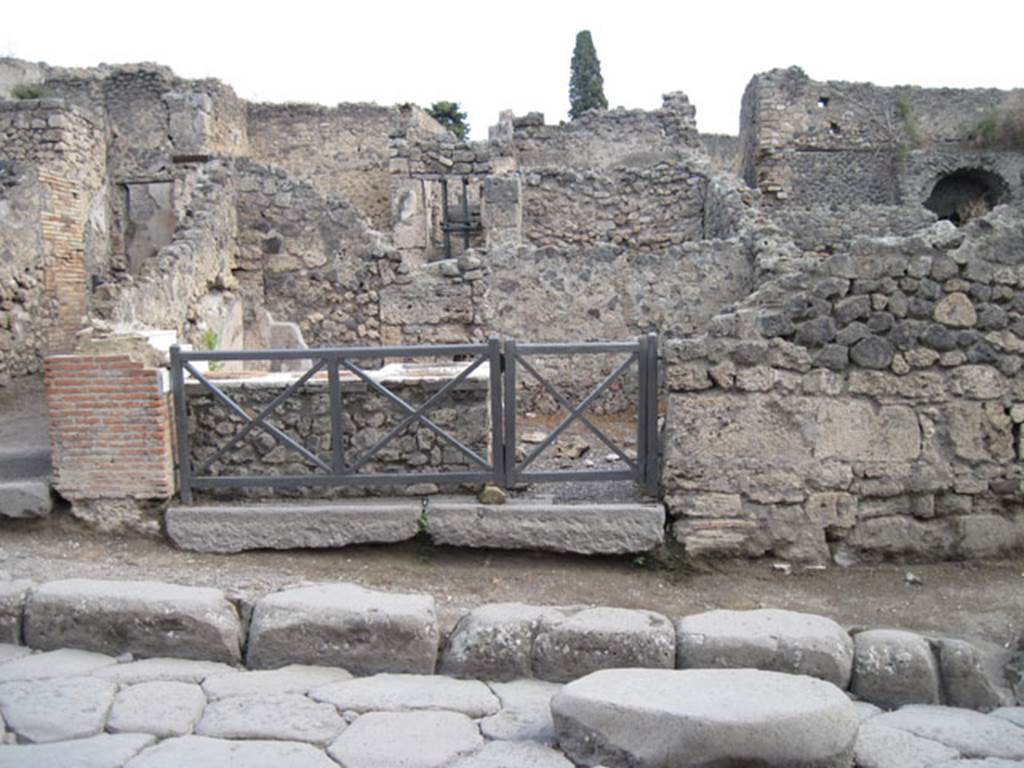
(450, 115)
(586, 86)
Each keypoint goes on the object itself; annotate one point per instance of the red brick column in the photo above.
(110, 426)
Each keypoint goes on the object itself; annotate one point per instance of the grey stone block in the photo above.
(224, 528)
(161, 708)
(581, 528)
(780, 641)
(346, 626)
(203, 752)
(892, 668)
(102, 751)
(602, 638)
(973, 676)
(11, 652)
(409, 739)
(66, 662)
(167, 670)
(25, 498)
(288, 717)
(972, 734)
(145, 618)
(56, 710)
(525, 712)
(881, 747)
(406, 693)
(295, 678)
(18, 462)
(1013, 715)
(702, 717)
(12, 607)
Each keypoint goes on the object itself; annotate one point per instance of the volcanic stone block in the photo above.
(892, 668)
(25, 498)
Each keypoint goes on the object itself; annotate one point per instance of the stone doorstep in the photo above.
(622, 528)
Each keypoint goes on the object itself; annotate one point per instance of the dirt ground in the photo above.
(964, 599)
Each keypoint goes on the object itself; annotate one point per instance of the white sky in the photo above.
(515, 54)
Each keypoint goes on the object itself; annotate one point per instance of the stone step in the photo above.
(25, 498)
(20, 462)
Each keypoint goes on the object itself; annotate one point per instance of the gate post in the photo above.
(510, 412)
(651, 397)
(181, 426)
(497, 409)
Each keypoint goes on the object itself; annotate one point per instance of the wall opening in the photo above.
(966, 194)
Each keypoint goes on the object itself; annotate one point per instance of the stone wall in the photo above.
(829, 229)
(863, 405)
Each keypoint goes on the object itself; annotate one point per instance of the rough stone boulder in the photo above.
(973, 674)
(634, 718)
(892, 668)
(780, 641)
(346, 626)
(145, 618)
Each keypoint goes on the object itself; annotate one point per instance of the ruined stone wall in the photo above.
(859, 406)
(53, 233)
(829, 229)
(724, 151)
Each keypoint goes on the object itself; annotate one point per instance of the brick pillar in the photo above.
(110, 426)
(65, 275)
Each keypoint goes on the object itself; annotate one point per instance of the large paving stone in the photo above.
(495, 641)
(602, 638)
(288, 717)
(525, 712)
(102, 751)
(513, 754)
(704, 717)
(779, 641)
(991, 762)
(973, 676)
(203, 752)
(160, 708)
(12, 605)
(892, 668)
(56, 710)
(343, 625)
(971, 733)
(168, 670)
(295, 678)
(66, 662)
(145, 618)
(1013, 715)
(406, 739)
(406, 693)
(224, 528)
(881, 747)
(25, 498)
(540, 525)
(11, 652)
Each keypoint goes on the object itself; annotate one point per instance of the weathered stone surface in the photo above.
(882, 747)
(971, 733)
(866, 711)
(1013, 715)
(702, 717)
(169, 670)
(602, 638)
(66, 662)
(973, 675)
(160, 708)
(55, 710)
(855, 430)
(495, 641)
(25, 498)
(408, 739)
(141, 617)
(956, 310)
(513, 754)
(892, 668)
(233, 528)
(581, 528)
(872, 352)
(405, 693)
(203, 752)
(781, 641)
(12, 605)
(343, 625)
(991, 762)
(287, 717)
(295, 678)
(525, 712)
(11, 652)
(102, 751)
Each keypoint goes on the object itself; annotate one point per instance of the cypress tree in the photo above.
(586, 86)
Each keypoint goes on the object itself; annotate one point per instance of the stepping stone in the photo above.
(102, 751)
(202, 752)
(295, 678)
(11, 652)
(25, 498)
(67, 662)
(406, 693)
(160, 708)
(779, 641)
(56, 710)
(1013, 715)
(525, 712)
(343, 625)
(513, 754)
(972, 675)
(289, 717)
(970, 733)
(495, 641)
(167, 670)
(406, 739)
(702, 717)
(603, 638)
(881, 747)
(145, 618)
(12, 605)
(892, 668)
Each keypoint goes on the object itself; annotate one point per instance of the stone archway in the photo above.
(966, 193)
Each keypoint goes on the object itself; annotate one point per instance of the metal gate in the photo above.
(505, 362)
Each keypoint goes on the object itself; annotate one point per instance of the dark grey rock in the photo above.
(835, 357)
(944, 268)
(904, 334)
(939, 337)
(892, 668)
(973, 675)
(881, 322)
(816, 332)
(775, 324)
(852, 333)
(25, 498)
(992, 318)
(852, 308)
(872, 352)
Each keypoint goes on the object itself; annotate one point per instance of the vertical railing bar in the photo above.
(181, 426)
(334, 392)
(652, 462)
(641, 411)
(465, 213)
(510, 412)
(497, 424)
(445, 223)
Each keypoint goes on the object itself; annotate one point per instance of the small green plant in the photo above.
(209, 340)
(1000, 128)
(424, 522)
(911, 130)
(28, 91)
